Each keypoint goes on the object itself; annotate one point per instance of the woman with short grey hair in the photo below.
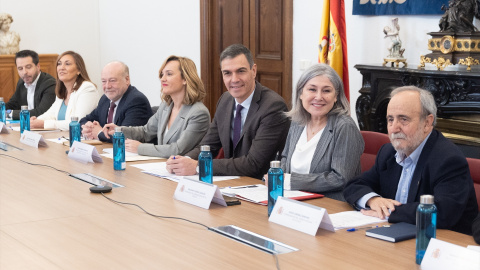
(324, 145)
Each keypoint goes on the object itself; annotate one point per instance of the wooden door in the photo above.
(264, 26)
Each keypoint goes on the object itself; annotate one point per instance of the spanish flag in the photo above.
(332, 48)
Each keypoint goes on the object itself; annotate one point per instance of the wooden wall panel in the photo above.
(269, 31)
(264, 26)
(270, 80)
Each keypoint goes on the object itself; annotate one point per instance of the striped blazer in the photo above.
(336, 159)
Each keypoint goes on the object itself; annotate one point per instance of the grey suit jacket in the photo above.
(263, 135)
(187, 130)
(336, 159)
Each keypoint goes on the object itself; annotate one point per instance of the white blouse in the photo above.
(82, 102)
(303, 154)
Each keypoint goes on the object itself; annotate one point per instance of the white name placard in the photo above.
(33, 139)
(444, 255)
(3, 128)
(300, 216)
(198, 193)
(84, 153)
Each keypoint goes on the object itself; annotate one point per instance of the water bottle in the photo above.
(75, 130)
(24, 118)
(426, 225)
(205, 170)
(119, 150)
(3, 117)
(275, 184)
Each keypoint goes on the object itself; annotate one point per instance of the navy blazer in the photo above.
(43, 97)
(441, 171)
(476, 229)
(263, 135)
(133, 110)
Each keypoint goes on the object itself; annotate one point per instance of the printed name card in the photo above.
(300, 216)
(444, 255)
(84, 153)
(3, 128)
(33, 139)
(198, 193)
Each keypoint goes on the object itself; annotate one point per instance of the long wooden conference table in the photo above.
(49, 220)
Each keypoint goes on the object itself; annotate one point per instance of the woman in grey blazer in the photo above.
(181, 120)
(324, 145)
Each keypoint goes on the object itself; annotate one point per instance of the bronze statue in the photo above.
(459, 16)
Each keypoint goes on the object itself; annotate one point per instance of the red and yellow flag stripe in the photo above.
(333, 40)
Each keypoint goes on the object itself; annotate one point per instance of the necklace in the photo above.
(314, 131)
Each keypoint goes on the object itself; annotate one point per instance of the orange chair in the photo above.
(373, 143)
(474, 165)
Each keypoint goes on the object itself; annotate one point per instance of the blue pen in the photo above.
(363, 228)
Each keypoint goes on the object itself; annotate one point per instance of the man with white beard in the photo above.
(419, 160)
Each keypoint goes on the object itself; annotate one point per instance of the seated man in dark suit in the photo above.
(122, 104)
(249, 124)
(35, 88)
(476, 229)
(419, 160)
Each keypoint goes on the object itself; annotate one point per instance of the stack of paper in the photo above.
(159, 169)
(352, 219)
(259, 193)
(129, 156)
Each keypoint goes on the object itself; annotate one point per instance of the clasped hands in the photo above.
(36, 123)
(380, 207)
(90, 131)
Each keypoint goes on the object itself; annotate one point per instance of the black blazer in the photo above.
(263, 135)
(133, 110)
(476, 229)
(43, 98)
(441, 171)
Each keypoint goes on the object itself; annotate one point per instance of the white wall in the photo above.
(55, 26)
(143, 33)
(140, 33)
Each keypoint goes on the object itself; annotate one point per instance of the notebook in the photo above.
(395, 233)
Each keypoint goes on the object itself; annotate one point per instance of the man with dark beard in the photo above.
(35, 88)
(419, 160)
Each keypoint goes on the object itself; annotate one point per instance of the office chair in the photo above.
(373, 143)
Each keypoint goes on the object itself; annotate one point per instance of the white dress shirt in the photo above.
(31, 93)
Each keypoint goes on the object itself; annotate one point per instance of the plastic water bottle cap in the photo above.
(275, 164)
(74, 118)
(24, 107)
(426, 199)
(118, 129)
(205, 148)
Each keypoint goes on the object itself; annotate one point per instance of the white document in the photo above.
(3, 128)
(32, 139)
(300, 216)
(129, 156)
(198, 193)
(60, 140)
(352, 219)
(159, 169)
(84, 153)
(16, 128)
(443, 255)
(259, 193)
(476, 248)
(215, 178)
